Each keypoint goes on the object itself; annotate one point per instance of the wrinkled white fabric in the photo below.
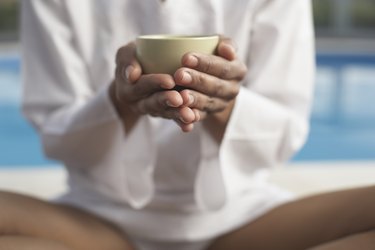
(157, 175)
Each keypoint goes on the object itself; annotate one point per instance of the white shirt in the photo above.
(157, 175)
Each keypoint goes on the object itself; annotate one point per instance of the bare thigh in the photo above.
(359, 241)
(34, 220)
(307, 222)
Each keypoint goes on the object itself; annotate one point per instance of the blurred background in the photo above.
(343, 118)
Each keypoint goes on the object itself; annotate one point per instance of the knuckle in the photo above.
(243, 71)
(224, 71)
(209, 106)
(198, 102)
(219, 90)
(235, 90)
(200, 78)
(207, 65)
(161, 100)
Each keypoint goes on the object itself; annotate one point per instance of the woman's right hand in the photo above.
(134, 94)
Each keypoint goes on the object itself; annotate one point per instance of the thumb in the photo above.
(226, 49)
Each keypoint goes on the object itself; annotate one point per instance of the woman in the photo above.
(136, 181)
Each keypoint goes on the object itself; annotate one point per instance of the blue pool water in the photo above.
(342, 125)
(343, 117)
(19, 143)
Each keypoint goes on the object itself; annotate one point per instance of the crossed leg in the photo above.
(27, 223)
(330, 221)
(325, 221)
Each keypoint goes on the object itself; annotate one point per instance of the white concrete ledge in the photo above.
(42, 182)
(301, 178)
(315, 177)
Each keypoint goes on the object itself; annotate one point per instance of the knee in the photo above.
(7, 223)
(13, 211)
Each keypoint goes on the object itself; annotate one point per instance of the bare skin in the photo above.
(340, 220)
(50, 226)
(326, 222)
(27, 224)
(213, 82)
(331, 221)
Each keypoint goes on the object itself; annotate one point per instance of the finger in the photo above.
(199, 114)
(185, 127)
(226, 48)
(149, 84)
(203, 103)
(161, 104)
(187, 98)
(207, 84)
(215, 65)
(128, 74)
(127, 66)
(125, 53)
(131, 72)
(183, 115)
(186, 115)
(145, 86)
(190, 101)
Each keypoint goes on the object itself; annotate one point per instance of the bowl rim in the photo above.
(177, 37)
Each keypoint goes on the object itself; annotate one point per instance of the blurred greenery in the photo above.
(322, 13)
(363, 13)
(9, 11)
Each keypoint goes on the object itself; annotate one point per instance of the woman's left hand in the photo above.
(212, 81)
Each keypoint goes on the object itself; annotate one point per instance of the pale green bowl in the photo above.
(163, 53)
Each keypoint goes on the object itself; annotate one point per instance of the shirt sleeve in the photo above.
(269, 122)
(77, 122)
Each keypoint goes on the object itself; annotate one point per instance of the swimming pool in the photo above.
(19, 144)
(343, 116)
(342, 125)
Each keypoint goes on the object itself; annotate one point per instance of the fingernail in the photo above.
(191, 99)
(186, 77)
(169, 103)
(182, 119)
(128, 71)
(192, 61)
(167, 85)
(230, 47)
(197, 115)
